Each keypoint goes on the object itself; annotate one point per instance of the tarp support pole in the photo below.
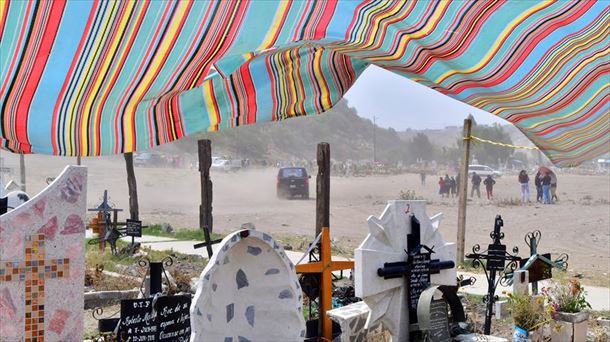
(463, 191)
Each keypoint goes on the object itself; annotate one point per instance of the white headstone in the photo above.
(42, 263)
(387, 242)
(249, 291)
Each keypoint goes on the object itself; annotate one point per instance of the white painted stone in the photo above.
(352, 320)
(53, 220)
(249, 291)
(387, 242)
(521, 282)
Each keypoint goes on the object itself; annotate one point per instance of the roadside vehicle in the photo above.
(292, 181)
(483, 171)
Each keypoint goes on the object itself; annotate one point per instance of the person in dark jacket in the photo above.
(524, 180)
(453, 186)
(476, 183)
(489, 187)
(546, 188)
(538, 183)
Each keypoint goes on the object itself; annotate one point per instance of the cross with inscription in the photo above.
(417, 268)
(34, 271)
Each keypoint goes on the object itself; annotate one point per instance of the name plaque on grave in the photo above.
(419, 278)
(134, 228)
(496, 260)
(169, 320)
(439, 321)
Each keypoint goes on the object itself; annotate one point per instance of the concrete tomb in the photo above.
(42, 263)
(249, 291)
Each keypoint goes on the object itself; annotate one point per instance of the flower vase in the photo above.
(522, 335)
(569, 326)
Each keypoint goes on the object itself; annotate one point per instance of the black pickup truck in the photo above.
(292, 181)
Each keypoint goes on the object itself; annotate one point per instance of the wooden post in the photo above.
(323, 188)
(132, 186)
(205, 161)
(463, 191)
(78, 160)
(22, 171)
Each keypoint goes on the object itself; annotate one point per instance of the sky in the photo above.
(400, 103)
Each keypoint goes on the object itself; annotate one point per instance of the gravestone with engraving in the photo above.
(42, 263)
(385, 274)
(165, 318)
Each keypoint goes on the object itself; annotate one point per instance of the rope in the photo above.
(500, 144)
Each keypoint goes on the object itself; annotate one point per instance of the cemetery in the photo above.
(72, 271)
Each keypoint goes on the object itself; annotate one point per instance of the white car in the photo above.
(483, 171)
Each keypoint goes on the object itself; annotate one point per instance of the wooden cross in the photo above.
(325, 267)
(33, 272)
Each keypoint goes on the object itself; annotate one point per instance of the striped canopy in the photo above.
(104, 77)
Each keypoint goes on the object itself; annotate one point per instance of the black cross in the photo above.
(417, 268)
(495, 261)
(207, 243)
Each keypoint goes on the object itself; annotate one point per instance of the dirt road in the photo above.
(578, 225)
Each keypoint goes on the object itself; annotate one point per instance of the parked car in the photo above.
(293, 181)
(483, 171)
(226, 165)
(147, 159)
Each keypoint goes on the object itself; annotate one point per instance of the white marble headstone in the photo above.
(42, 263)
(249, 291)
(387, 242)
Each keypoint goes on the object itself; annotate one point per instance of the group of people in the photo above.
(546, 186)
(448, 186)
(489, 183)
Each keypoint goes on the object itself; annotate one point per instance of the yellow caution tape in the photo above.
(500, 144)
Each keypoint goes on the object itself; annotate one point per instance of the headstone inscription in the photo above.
(163, 318)
(439, 321)
(134, 228)
(437, 309)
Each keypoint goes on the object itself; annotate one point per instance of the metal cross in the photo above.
(495, 261)
(34, 271)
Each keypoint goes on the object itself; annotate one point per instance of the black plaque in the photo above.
(134, 228)
(173, 318)
(439, 321)
(169, 321)
(539, 270)
(419, 278)
(137, 321)
(496, 260)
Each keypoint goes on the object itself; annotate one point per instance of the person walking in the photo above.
(441, 187)
(546, 188)
(476, 183)
(524, 180)
(422, 177)
(538, 183)
(554, 188)
(489, 187)
(453, 186)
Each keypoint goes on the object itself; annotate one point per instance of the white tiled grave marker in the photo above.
(387, 242)
(249, 291)
(42, 263)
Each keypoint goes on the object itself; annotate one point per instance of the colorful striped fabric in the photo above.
(105, 77)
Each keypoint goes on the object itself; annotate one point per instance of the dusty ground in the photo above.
(578, 225)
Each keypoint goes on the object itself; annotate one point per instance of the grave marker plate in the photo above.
(134, 228)
(496, 260)
(439, 321)
(169, 320)
(419, 278)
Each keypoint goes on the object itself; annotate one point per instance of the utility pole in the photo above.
(463, 191)
(132, 186)
(374, 140)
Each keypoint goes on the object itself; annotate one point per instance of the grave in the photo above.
(42, 263)
(248, 292)
(383, 252)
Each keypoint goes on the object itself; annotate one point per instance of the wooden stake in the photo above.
(205, 161)
(132, 186)
(22, 171)
(463, 192)
(77, 160)
(323, 188)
